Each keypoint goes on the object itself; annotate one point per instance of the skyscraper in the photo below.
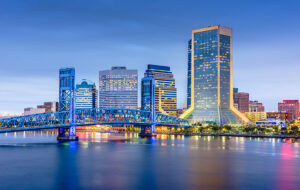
(86, 94)
(243, 102)
(210, 81)
(165, 91)
(118, 88)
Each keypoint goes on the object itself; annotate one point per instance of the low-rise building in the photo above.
(30, 111)
(270, 123)
(49, 106)
(283, 116)
(256, 116)
(289, 106)
(255, 106)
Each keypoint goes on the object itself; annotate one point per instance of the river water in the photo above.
(35, 160)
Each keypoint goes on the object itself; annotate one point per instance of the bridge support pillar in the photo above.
(67, 134)
(148, 104)
(148, 131)
(67, 103)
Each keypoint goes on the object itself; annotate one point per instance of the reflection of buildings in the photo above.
(289, 106)
(86, 94)
(118, 88)
(210, 91)
(165, 91)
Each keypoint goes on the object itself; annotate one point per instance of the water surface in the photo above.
(35, 160)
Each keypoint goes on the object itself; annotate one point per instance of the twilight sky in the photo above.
(38, 37)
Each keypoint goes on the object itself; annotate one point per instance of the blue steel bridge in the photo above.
(86, 117)
(68, 117)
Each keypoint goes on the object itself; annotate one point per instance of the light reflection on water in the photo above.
(125, 161)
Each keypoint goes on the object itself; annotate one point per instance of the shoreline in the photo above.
(236, 135)
(208, 134)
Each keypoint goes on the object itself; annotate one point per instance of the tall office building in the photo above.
(243, 102)
(289, 106)
(165, 91)
(118, 88)
(210, 81)
(86, 94)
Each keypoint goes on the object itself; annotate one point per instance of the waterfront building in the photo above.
(210, 88)
(243, 102)
(86, 94)
(49, 106)
(270, 123)
(118, 88)
(165, 90)
(256, 116)
(255, 106)
(289, 106)
(30, 111)
(283, 116)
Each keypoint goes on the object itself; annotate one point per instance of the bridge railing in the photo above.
(112, 116)
(168, 120)
(35, 121)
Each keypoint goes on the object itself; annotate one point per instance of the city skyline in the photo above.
(29, 62)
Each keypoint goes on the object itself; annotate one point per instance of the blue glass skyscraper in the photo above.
(210, 96)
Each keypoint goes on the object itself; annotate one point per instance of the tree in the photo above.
(295, 130)
(215, 127)
(227, 127)
(261, 129)
(201, 129)
(283, 130)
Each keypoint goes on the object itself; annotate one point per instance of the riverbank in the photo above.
(208, 134)
(234, 135)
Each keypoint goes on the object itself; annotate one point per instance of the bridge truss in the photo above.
(84, 117)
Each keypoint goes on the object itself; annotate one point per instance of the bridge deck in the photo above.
(97, 116)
